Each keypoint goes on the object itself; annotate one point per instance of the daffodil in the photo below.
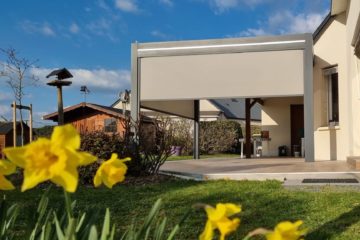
(6, 168)
(55, 159)
(287, 231)
(111, 171)
(218, 218)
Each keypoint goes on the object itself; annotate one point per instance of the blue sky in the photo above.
(92, 38)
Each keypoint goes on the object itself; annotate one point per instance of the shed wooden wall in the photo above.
(94, 122)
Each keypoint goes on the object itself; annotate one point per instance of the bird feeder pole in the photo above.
(61, 74)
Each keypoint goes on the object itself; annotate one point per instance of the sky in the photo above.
(92, 38)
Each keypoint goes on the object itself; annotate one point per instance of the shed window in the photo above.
(333, 95)
(110, 125)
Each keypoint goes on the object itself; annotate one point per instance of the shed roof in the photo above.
(75, 109)
(6, 127)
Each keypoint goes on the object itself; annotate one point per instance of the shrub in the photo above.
(183, 135)
(147, 143)
(219, 136)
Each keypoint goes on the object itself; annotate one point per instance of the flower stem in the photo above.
(68, 204)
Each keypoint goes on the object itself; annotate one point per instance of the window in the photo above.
(331, 75)
(110, 125)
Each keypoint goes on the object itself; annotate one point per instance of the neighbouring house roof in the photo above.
(78, 109)
(6, 127)
(234, 108)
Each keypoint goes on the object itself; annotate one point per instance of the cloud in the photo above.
(306, 23)
(4, 111)
(168, 3)
(74, 28)
(95, 79)
(250, 32)
(35, 27)
(159, 34)
(285, 22)
(220, 6)
(5, 96)
(127, 5)
(102, 27)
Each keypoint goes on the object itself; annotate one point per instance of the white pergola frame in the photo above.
(303, 42)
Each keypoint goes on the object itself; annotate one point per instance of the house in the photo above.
(210, 110)
(336, 91)
(308, 85)
(6, 135)
(89, 117)
(337, 83)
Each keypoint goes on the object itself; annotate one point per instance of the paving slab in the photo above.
(282, 169)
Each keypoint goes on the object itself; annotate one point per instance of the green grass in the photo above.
(205, 156)
(328, 213)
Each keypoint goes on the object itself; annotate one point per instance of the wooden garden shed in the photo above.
(6, 135)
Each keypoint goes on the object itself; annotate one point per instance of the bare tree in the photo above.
(16, 72)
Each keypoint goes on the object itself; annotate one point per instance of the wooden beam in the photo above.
(247, 128)
(20, 106)
(14, 123)
(31, 124)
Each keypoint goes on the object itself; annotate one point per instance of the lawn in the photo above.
(328, 213)
(205, 156)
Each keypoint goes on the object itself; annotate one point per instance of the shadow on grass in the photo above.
(336, 226)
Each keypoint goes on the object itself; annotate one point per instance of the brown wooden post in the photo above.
(14, 123)
(60, 106)
(31, 123)
(247, 127)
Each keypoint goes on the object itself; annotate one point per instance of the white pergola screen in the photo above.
(184, 108)
(248, 74)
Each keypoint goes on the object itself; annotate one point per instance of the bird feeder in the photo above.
(59, 82)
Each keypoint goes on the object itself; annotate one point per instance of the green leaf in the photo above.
(59, 232)
(93, 233)
(106, 226)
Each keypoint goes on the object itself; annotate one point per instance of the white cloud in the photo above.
(221, 6)
(35, 27)
(5, 96)
(74, 28)
(127, 5)
(250, 32)
(4, 110)
(96, 79)
(306, 23)
(159, 34)
(168, 3)
(285, 22)
(102, 27)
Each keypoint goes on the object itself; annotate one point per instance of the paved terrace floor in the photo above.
(259, 169)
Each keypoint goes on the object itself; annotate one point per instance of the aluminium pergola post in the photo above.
(196, 129)
(308, 100)
(247, 128)
(135, 85)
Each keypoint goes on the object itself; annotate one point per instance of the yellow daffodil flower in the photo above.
(6, 168)
(287, 231)
(55, 159)
(218, 218)
(111, 171)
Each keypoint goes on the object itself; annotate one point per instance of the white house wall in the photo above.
(275, 118)
(353, 75)
(331, 143)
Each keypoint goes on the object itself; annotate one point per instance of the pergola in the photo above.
(172, 77)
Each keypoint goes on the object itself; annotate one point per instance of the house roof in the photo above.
(6, 127)
(320, 29)
(234, 108)
(75, 108)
